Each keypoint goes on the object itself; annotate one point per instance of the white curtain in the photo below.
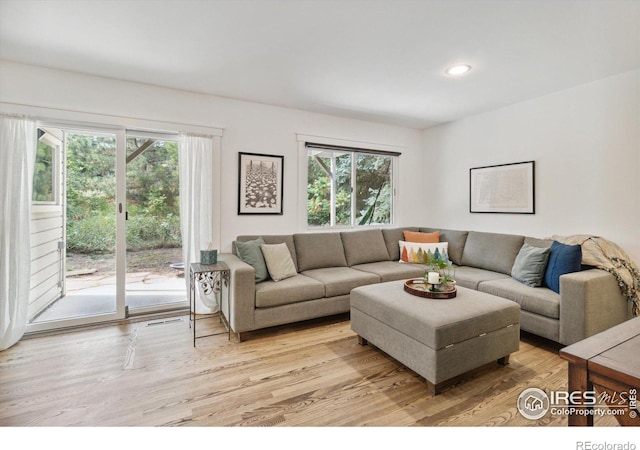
(17, 162)
(196, 162)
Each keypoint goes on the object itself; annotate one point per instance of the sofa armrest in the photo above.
(590, 302)
(242, 293)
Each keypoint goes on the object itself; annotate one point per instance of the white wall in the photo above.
(248, 127)
(585, 142)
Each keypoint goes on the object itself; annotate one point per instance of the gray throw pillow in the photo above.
(530, 264)
(251, 253)
(278, 261)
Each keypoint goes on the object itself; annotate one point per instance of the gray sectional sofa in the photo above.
(330, 264)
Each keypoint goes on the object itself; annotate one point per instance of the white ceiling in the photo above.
(379, 60)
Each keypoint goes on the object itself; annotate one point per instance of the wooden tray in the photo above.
(419, 288)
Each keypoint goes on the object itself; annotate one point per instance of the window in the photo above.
(46, 172)
(349, 186)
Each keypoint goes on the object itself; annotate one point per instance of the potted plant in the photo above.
(447, 272)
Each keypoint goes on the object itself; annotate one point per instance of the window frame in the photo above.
(356, 148)
(57, 164)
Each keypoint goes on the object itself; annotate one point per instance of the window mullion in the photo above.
(334, 189)
(354, 172)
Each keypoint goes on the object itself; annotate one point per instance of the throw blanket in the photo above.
(606, 255)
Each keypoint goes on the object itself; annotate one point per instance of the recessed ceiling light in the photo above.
(458, 70)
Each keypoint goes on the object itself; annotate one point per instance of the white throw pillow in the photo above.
(278, 261)
(423, 253)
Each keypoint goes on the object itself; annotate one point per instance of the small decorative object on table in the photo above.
(209, 256)
(432, 278)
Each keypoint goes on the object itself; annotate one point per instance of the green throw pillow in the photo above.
(251, 253)
(530, 265)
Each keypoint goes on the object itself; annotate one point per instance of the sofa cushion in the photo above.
(530, 264)
(279, 262)
(290, 290)
(391, 270)
(275, 239)
(491, 251)
(537, 242)
(318, 250)
(422, 253)
(416, 236)
(471, 277)
(364, 246)
(539, 300)
(563, 259)
(391, 238)
(250, 252)
(456, 240)
(340, 280)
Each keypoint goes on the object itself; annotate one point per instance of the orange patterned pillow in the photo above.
(414, 236)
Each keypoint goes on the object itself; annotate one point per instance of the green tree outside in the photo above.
(372, 194)
(152, 195)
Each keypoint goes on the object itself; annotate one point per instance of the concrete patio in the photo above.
(94, 294)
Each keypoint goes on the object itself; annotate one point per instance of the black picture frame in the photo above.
(503, 188)
(260, 184)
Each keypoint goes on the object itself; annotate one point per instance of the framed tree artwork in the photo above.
(260, 186)
(504, 188)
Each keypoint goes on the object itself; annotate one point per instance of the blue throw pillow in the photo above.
(562, 259)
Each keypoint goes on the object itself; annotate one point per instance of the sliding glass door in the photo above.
(84, 223)
(155, 273)
(105, 227)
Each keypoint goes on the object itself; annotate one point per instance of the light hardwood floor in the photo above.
(306, 374)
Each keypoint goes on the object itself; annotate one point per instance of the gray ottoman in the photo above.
(438, 339)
